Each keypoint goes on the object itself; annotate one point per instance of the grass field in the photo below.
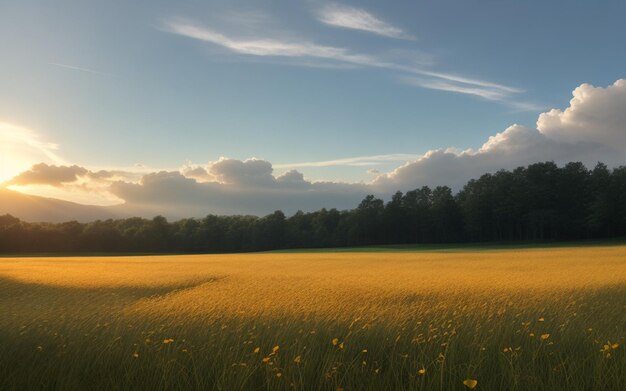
(517, 319)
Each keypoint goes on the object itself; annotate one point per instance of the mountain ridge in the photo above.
(33, 208)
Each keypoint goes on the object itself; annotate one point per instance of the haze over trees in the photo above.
(540, 202)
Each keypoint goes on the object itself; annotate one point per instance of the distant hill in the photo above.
(39, 209)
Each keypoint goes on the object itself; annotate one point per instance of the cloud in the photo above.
(70, 183)
(359, 19)
(43, 174)
(269, 47)
(591, 129)
(595, 115)
(486, 93)
(174, 195)
(250, 172)
(26, 140)
(75, 68)
(197, 172)
(298, 49)
(353, 161)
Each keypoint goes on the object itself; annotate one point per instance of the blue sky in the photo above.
(163, 83)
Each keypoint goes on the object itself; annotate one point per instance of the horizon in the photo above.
(224, 107)
(312, 195)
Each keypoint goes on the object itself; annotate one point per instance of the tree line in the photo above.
(540, 202)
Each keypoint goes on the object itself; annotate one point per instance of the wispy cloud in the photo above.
(75, 68)
(301, 49)
(359, 19)
(353, 161)
(17, 137)
(486, 93)
(269, 47)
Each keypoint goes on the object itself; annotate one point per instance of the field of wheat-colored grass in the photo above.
(525, 319)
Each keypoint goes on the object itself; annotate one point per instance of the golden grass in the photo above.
(513, 319)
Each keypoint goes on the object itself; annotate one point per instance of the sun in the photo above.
(11, 165)
(20, 148)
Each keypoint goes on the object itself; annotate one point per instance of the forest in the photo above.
(540, 202)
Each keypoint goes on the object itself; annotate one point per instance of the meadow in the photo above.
(502, 319)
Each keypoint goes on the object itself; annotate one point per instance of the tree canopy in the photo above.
(540, 202)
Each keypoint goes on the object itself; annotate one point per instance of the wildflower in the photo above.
(541, 319)
(335, 341)
(265, 360)
(544, 336)
(364, 350)
(421, 371)
(257, 349)
(278, 375)
(275, 349)
(136, 355)
(168, 341)
(608, 347)
(297, 360)
(341, 345)
(470, 383)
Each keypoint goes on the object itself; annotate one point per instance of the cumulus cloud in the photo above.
(596, 115)
(591, 129)
(174, 195)
(514, 147)
(250, 172)
(44, 174)
(359, 19)
(197, 172)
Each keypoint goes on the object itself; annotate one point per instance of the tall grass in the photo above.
(550, 319)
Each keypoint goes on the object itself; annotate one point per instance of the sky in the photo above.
(241, 107)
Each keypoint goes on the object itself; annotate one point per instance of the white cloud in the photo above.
(301, 49)
(353, 161)
(595, 115)
(250, 187)
(486, 93)
(250, 172)
(269, 47)
(76, 68)
(359, 19)
(591, 129)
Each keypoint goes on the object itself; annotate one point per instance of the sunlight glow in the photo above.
(20, 148)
